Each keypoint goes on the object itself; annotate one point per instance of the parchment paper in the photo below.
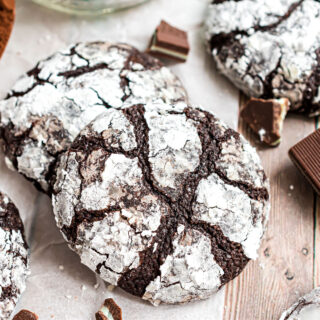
(59, 286)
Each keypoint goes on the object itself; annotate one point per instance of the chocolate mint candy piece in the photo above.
(25, 315)
(47, 107)
(169, 42)
(109, 311)
(13, 257)
(306, 156)
(307, 308)
(163, 201)
(265, 117)
(267, 49)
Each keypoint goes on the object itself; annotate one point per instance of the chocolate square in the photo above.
(306, 156)
(169, 42)
(265, 118)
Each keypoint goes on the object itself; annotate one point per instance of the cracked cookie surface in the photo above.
(47, 108)
(269, 49)
(307, 308)
(164, 201)
(13, 257)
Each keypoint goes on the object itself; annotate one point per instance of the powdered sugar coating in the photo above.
(190, 273)
(13, 257)
(174, 147)
(307, 308)
(269, 49)
(231, 209)
(149, 209)
(47, 107)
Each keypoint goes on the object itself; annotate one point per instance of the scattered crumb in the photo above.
(261, 265)
(289, 275)
(110, 287)
(305, 251)
(83, 287)
(267, 252)
(44, 39)
(61, 267)
(96, 286)
(291, 187)
(68, 297)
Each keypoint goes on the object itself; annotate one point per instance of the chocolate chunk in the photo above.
(109, 311)
(265, 117)
(169, 42)
(25, 315)
(305, 155)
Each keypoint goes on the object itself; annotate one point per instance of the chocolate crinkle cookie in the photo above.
(269, 49)
(47, 107)
(164, 201)
(13, 257)
(307, 308)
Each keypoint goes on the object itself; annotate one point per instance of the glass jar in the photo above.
(89, 7)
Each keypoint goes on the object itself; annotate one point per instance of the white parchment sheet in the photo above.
(59, 286)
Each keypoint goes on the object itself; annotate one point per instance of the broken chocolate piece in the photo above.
(169, 42)
(305, 156)
(265, 117)
(25, 315)
(109, 311)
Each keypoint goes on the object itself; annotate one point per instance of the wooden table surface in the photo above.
(289, 263)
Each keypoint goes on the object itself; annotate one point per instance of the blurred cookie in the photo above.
(7, 13)
(307, 308)
(13, 257)
(25, 315)
(164, 201)
(48, 107)
(269, 49)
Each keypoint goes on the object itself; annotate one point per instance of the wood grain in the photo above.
(317, 233)
(284, 270)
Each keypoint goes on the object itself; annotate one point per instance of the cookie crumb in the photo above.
(289, 275)
(305, 251)
(61, 267)
(267, 252)
(96, 286)
(110, 287)
(291, 187)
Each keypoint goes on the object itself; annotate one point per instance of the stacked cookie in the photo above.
(156, 196)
